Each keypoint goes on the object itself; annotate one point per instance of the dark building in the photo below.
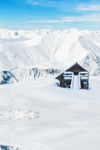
(76, 74)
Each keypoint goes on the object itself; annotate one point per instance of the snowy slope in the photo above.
(6, 77)
(68, 120)
(49, 49)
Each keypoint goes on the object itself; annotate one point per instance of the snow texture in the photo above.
(37, 114)
(21, 51)
(68, 119)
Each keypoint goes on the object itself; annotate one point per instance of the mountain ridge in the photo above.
(50, 49)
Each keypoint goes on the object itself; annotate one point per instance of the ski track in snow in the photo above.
(67, 119)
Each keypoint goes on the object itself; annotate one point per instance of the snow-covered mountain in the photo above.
(3, 147)
(45, 49)
(7, 77)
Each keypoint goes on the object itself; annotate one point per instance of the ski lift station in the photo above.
(75, 77)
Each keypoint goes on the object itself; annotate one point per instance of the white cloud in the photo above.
(87, 18)
(47, 3)
(45, 21)
(66, 5)
(60, 4)
(84, 7)
(35, 3)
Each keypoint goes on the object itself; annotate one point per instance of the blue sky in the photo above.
(55, 14)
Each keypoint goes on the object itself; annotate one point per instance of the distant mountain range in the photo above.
(45, 49)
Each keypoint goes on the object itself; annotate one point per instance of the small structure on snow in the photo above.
(74, 77)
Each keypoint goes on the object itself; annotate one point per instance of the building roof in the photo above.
(74, 68)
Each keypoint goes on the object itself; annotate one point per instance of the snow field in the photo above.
(69, 119)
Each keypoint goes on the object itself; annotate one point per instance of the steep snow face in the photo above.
(7, 77)
(92, 59)
(50, 49)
